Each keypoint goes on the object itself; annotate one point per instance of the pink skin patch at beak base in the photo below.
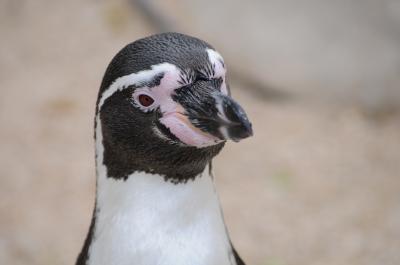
(182, 128)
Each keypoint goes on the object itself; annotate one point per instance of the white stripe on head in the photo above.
(137, 78)
(216, 59)
(219, 67)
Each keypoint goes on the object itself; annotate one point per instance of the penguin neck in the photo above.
(145, 219)
(137, 149)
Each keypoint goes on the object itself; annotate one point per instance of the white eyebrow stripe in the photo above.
(220, 69)
(215, 58)
(135, 78)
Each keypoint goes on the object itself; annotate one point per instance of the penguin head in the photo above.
(165, 103)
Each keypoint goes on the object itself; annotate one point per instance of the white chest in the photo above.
(146, 220)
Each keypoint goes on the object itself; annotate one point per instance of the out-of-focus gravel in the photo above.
(316, 184)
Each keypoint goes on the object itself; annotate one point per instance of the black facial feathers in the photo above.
(200, 104)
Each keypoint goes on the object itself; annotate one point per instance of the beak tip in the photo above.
(241, 132)
(251, 133)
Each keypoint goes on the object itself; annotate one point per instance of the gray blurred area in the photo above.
(318, 184)
(340, 51)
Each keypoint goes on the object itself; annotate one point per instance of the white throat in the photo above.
(147, 220)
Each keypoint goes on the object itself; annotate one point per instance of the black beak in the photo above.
(237, 124)
(213, 112)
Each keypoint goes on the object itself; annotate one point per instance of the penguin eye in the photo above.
(201, 78)
(145, 100)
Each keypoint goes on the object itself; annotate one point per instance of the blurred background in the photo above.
(319, 183)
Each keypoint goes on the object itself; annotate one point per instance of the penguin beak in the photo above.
(233, 121)
(214, 113)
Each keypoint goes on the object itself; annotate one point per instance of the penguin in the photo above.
(163, 112)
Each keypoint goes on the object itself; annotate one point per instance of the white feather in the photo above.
(146, 220)
(219, 66)
(136, 78)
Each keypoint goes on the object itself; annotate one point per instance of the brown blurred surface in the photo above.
(317, 184)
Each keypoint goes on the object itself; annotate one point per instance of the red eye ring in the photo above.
(145, 100)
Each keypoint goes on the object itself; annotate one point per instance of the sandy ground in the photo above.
(316, 184)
